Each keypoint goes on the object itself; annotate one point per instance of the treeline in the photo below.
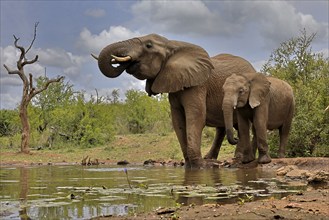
(61, 116)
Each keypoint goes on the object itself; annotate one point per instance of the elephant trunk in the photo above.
(228, 110)
(115, 58)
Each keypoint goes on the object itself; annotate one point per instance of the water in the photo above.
(77, 192)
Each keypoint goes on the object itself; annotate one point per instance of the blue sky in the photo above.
(70, 30)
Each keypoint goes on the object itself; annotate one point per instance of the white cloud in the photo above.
(276, 21)
(324, 52)
(129, 82)
(188, 17)
(9, 100)
(93, 43)
(280, 21)
(96, 13)
(258, 64)
(63, 61)
(58, 57)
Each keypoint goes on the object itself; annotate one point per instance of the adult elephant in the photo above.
(267, 102)
(193, 80)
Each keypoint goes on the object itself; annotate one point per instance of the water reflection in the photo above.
(228, 185)
(76, 192)
(24, 177)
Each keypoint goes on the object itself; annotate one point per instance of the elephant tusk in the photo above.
(234, 107)
(94, 56)
(121, 59)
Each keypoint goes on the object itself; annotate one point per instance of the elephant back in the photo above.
(282, 103)
(228, 64)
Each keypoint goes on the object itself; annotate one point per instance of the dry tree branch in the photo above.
(31, 81)
(34, 36)
(47, 84)
(11, 71)
(30, 61)
(22, 56)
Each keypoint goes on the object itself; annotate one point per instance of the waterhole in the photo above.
(78, 192)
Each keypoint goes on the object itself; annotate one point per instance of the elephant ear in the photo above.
(187, 65)
(259, 89)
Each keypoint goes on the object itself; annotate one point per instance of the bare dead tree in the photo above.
(29, 91)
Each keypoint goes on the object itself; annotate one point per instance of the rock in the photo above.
(293, 205)
(298, 174)
(319, 177)
(284, 170)
(122, 162)
(149, 162)
(162, 211)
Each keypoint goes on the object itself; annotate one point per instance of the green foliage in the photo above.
(144, 113)
(308, 74)
(9, 122)
(61, 116)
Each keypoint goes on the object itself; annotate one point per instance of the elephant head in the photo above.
(168, 66)
(245, 90)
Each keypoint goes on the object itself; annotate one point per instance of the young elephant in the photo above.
(267, 102)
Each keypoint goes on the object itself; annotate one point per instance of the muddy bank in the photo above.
(307, 205)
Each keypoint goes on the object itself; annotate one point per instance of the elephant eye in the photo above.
(241, 90)
(149, 45)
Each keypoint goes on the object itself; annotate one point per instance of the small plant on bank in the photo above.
(126, 172)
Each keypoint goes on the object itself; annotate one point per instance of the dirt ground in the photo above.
(310, 204)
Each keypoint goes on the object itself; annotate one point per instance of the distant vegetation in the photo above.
(62, 117)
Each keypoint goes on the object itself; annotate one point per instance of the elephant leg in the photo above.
(188, 109)
(284, 133)
(283, 143)
(179, 125)
(254, 141)
(194, 126)
(244, 139)
(260, 124)
(193, 101)
(215, 148)
(239, 150)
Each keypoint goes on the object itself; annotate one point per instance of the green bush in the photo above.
(308, 74)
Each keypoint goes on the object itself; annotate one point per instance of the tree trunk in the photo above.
(25, 143)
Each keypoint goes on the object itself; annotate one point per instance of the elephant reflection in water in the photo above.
(193, 80)
(223, 181)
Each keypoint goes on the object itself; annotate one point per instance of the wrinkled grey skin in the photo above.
(193, 80)
(267, 102)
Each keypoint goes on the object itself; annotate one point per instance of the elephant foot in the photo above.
(238, 155)
(248, 158)
(264, 158)
(194, 164)
(202, 163)
(210, 157)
